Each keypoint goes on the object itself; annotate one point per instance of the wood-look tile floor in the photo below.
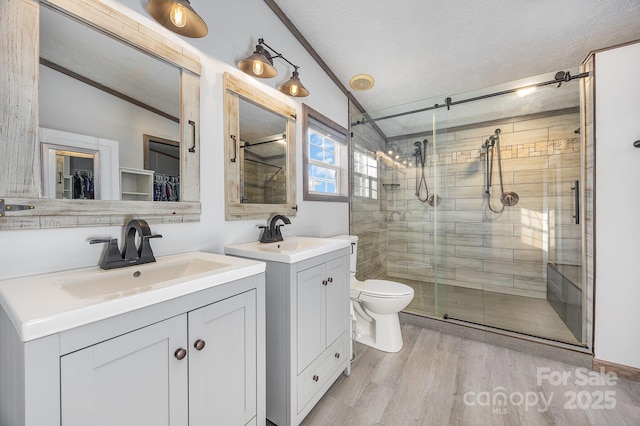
(439, 379)
(526, 315)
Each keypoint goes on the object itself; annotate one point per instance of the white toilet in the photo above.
(376, 304)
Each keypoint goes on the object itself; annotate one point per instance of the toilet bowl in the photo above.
(376, 304)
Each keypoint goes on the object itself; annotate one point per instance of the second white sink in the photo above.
(291, 250)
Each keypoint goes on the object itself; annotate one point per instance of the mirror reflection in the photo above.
(163, 157)
(74, 173)
(94, 85)
(263, 155)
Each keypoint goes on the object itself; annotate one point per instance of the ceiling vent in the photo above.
(361, 82)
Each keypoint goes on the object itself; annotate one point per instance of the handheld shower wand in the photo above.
(491, 145)
(421, 181)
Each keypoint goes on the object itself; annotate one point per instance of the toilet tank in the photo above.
(353, 259)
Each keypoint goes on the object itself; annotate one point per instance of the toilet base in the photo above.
(384, 334)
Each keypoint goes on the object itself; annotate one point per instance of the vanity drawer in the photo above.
(311, 380)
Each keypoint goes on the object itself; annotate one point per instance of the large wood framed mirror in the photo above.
(88, 71)
(259, 153)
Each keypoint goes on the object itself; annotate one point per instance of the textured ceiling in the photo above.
(417, 49)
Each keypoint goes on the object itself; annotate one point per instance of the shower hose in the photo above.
(422, 190)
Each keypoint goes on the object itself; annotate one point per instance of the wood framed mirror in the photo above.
(260, 174)
(22, 178)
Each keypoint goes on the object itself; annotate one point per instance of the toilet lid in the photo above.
(383, 288)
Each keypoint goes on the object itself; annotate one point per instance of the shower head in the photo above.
(418, 150)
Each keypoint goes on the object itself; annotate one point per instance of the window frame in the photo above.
(342, 167)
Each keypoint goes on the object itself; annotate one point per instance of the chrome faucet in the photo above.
(271, 233)
(131, 254)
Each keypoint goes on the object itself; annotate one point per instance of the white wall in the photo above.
(234, 28)
(69, 105)
(617, 283)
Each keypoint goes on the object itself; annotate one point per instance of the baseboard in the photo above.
(624, 371)
(556, 351)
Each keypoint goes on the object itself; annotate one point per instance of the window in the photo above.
(325, 158)
(365, 175)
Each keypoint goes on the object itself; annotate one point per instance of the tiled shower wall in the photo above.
(368, 215)
(588, 115)
(264, 181)
(501, 252)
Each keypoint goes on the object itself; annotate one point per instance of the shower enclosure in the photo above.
(475, 201)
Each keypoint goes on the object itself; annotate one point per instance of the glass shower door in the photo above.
(508, 245)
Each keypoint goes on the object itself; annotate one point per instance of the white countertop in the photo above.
(42, 305)
(290, 250)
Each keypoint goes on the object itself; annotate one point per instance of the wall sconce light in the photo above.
(260, 64)
(178, 16)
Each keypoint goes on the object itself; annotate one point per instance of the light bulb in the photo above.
(294, 89)
(258, 67)
(390, 152)
(177, 15)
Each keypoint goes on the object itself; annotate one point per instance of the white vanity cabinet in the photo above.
(307, 332)
(202, 362)
(128, 379)
(194, 360)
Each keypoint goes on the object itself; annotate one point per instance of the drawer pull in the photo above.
(337, 355)
(199, 344)
(330, 279)
(324, 282)
(180, 353)
(315, 378)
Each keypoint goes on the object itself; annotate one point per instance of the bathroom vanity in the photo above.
(308, 338)
(180, 342)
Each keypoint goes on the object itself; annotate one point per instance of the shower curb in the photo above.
(568, 354)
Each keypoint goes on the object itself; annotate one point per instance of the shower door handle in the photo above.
(576, 201)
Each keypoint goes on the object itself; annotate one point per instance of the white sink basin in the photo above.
(291, 250)
(131, 280)
(41, 305)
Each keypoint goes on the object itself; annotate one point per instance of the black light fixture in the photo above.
(178, 16)
(260, 64)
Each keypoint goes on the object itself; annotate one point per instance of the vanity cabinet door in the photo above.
(310, 312)
(222, 362)
(133, 379)
(337, 299)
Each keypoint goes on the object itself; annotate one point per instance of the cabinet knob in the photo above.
(180, 353)
(636, 144)
(330, 279)
(199, 344)
(315, 378)
(324, 282)
(337, 355)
